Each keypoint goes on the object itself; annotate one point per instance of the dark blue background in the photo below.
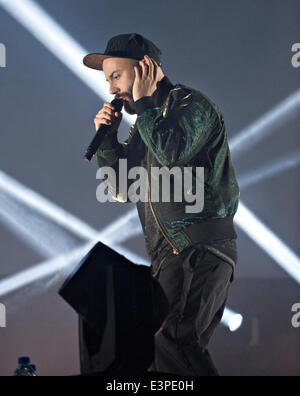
(238, 53)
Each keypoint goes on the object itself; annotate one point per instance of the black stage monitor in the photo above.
(117, 318)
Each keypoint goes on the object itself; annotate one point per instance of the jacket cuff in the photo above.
(143, 104)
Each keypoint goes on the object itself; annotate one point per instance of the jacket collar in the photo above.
(164, 86)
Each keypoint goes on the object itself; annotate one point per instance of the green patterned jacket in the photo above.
(185, 130)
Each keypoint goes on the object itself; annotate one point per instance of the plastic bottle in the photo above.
(25, 369)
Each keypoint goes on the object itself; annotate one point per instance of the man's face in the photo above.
(119, 72)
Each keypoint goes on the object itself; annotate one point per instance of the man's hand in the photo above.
(108, 116)
(145, 82)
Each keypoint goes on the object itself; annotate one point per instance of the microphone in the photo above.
(102, 132)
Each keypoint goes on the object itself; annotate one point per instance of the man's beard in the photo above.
(129, 107)
(128, 103)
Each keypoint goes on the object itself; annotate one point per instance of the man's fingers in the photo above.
(108, 116)
(108, 106)
(144, 69)
(150, 66)
(108, 112)
(155, 68)
(103, 120)
(137, 72)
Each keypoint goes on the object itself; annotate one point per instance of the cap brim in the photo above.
(95, 61)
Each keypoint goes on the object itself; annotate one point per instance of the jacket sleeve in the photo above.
(108, 155)
(178, 132)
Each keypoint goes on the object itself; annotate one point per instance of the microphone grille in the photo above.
(118, 104)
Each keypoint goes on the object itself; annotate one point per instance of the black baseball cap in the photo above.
(131, 45)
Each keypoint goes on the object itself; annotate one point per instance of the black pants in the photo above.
(196, 284)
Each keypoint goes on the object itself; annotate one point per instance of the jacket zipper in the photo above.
(175, 251)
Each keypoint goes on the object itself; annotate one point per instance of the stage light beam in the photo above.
(62, 45)
(275, 168)
(268, 241)
(268, 123)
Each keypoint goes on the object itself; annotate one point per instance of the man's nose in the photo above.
(113, 90)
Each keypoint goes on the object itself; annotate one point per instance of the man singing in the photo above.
(193, 255)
